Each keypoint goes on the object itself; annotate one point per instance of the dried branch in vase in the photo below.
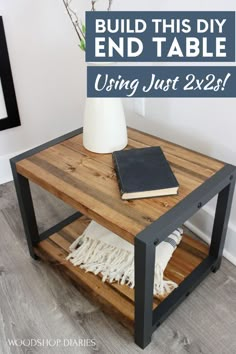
(78, 25)
(93, 5)
(109, 5)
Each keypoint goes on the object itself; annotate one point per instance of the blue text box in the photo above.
(161, 81)
(157, 39)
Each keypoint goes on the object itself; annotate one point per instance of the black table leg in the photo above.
(26, 205)
(27, 210)
(144, 281)
(147, 320)
(221, 220)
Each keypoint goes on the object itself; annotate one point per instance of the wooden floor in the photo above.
(37, 303)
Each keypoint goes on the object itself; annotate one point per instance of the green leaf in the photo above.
(82, 44)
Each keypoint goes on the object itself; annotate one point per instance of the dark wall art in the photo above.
(9, 114)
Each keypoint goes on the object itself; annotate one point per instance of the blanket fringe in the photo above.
(113, 264)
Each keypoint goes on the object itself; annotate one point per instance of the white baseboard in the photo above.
(201, 224)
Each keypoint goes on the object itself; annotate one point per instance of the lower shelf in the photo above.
(115, 299)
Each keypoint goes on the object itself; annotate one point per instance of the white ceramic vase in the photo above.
(104, 129)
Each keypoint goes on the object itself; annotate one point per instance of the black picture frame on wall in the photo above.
(12, 118)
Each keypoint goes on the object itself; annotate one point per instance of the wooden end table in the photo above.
(87, 182)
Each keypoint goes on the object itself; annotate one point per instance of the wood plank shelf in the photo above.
(115, 299)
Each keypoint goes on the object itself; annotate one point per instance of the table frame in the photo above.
(222, 183)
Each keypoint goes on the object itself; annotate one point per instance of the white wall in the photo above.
(49, 75)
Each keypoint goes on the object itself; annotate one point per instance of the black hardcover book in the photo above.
(144, 173)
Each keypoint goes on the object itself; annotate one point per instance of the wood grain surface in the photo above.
(87, 181)
(115, 299)
(37, 302)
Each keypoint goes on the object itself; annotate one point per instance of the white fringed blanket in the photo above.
(99, 250)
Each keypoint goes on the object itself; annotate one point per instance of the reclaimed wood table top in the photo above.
(87, 181)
